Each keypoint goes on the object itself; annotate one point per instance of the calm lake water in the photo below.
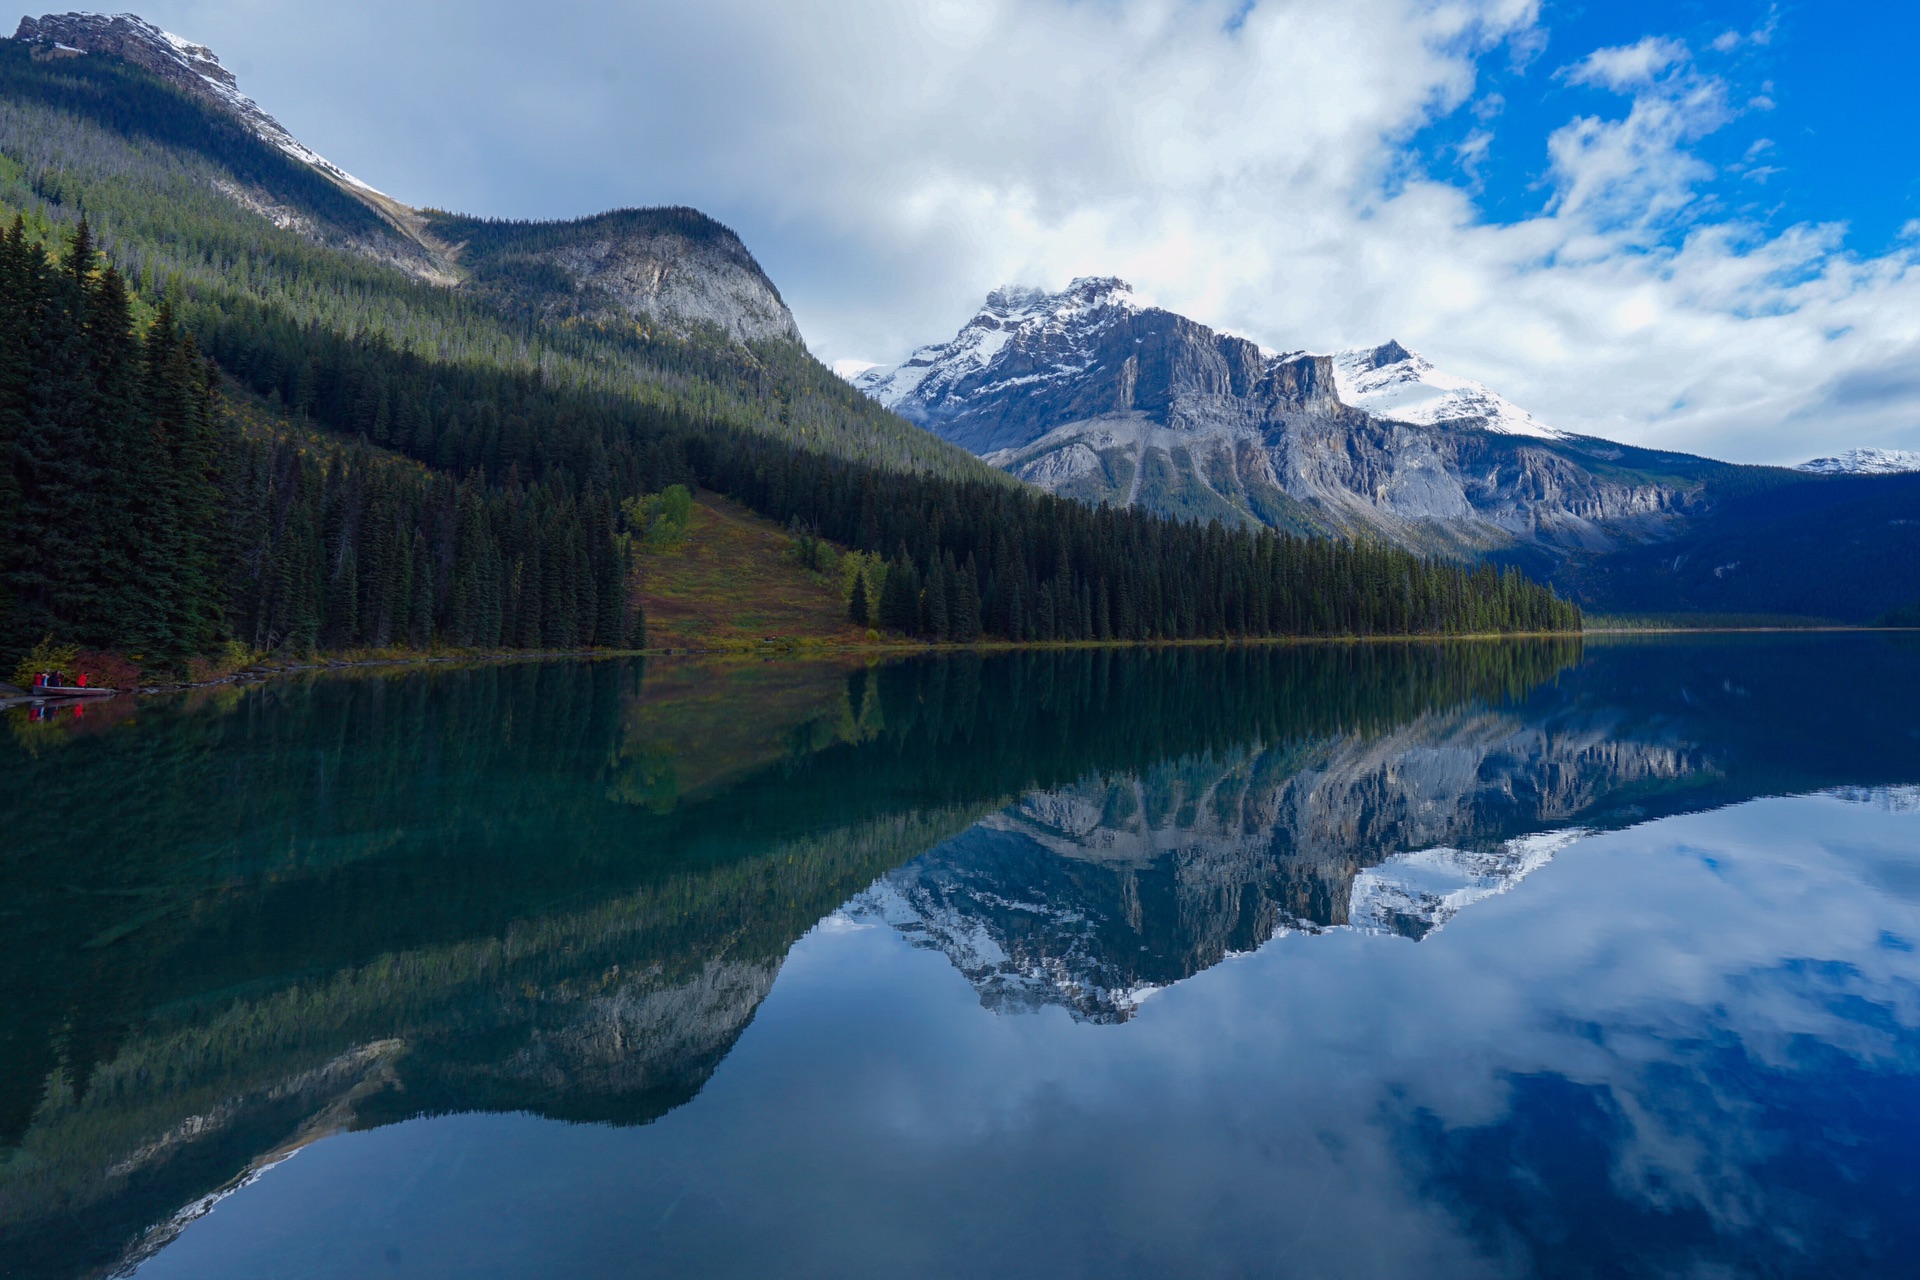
(1369, 961)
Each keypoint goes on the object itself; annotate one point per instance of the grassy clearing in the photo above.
(734, 584)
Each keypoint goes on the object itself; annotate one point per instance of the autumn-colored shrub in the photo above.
(106, 670)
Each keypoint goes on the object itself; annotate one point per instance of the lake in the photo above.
(1526, 959)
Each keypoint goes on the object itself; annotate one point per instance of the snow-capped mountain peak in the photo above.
(1865, 462)
(1092, 394)
(1389, 381)
(1063, 324)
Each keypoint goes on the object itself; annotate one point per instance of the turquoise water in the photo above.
(1474, 960)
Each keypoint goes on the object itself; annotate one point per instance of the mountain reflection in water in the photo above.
(565, 890)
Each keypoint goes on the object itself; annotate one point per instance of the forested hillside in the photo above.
(463, 460)
(139, 516)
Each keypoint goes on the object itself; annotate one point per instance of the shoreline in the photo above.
(787, 648)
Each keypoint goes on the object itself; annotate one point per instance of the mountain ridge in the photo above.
(1864, 462)
(654, 266)
(195, 70)
(1093, 394)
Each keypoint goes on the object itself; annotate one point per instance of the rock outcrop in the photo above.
(672, 269)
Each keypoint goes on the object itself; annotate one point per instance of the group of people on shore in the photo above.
(59, 680)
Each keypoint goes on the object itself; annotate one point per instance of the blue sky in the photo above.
(1685, 225)
(1823, 128)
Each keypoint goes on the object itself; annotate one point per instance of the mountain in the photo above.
(670, 267)
(392, 235)
(673, 267)
(1865, 462)
(1843, 547)
(1092, 394)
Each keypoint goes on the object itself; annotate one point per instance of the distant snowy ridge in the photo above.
(1865, 462)
(1391, 382)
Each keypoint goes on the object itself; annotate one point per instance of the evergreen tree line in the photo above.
(110, 457)
(134, 515)
(349, 549)
(973, 557)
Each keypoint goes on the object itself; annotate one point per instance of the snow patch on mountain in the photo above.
(1389, 381)
(1864, 462)
(206, 64)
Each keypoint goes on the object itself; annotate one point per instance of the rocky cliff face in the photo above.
(1093, 897)
(1093, 395)
(671, 270)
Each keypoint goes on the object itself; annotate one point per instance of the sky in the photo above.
(1692, 224)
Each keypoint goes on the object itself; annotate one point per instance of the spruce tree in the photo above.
(857, 605)
(900, 596)
(966, 625)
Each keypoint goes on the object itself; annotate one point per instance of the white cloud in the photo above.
(1629, 66)
(891, 162)
(1729, 40)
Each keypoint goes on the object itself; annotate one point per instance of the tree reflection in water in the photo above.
(264, 916)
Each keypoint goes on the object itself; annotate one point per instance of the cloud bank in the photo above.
(1248, 164)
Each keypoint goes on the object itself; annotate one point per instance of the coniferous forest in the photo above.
(218, 429)
(138, 517)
